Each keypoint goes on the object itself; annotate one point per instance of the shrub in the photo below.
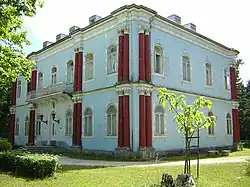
(28, 165)
(4, 145)
(248, 167)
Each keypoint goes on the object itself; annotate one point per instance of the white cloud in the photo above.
(221, 20)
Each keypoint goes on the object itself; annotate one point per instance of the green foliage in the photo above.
(189, 118)
(13, 38)
(28, 165)
(248, 168)
(5, 145)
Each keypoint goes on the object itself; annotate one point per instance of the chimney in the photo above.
(47, 43)
(94, 19)
(175, 18)
(73, 29)
(60, 36)
(190, 26)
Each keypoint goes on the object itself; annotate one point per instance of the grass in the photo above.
(210, 176)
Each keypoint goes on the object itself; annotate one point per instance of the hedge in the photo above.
(28, 165)
(4, 145)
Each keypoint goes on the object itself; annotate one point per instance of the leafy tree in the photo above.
(189, 118)
(13, 38)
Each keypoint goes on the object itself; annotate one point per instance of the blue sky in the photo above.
(222, 20)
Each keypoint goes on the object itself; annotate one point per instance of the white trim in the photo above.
(106, 117)
(57, 75)
(165, 122)
(185, 53)
(93, 68)
(230, 135)
(65, 117)
(93, 121)
(205, 71)
(18, 133)
(153, 52)
(228, 77)
(66, 72)
(107, 59)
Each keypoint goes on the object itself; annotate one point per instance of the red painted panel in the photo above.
(76, 72)
(13, 98)
(31, 133)
(233, 83)
(141, 57)
(79, 124)
(80, 69)
(148, 121)
(120, 121)
(12, 128)
(236, 130)
(74, 124)
(147, 58)
(142, 130)
(126, 121)
(126, 57)
(120, 59)
(33, 80)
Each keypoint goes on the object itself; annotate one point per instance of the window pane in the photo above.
(85, 126)
(109, 125)
(70, 126)
(162, 124)
(158, 63)
(90, 126)
(114, 125)
(157, 123)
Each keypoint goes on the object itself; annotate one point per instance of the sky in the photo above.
(224, 21)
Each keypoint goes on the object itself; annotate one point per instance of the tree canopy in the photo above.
(13, 37)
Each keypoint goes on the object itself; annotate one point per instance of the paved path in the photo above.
(70, 161)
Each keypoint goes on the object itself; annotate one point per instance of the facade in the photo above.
(96, 87)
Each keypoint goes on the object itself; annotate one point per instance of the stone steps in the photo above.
(40, 149)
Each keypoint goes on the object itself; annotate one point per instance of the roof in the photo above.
(127, 7)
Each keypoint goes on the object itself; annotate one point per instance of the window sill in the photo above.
(211, 135)
(186, 82)
(209, 87)
(88, 137)
(159, 75)
(111, 137)
(90, 80)
(160, 136)
(68, 135)
(111, 75)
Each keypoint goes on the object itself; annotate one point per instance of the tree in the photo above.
(13, 38)
(189, 118)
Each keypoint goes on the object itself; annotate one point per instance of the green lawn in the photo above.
(227, 175)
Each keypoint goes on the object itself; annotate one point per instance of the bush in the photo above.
(248, 167)
(28, 165)
(4, 145)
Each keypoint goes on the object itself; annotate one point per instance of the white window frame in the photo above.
(229, 127)
(40, 80)
(186, 71)
(112, 115)
(162, 132)
(211, 129)
(112, 60)
(158, 50)
(68, 123)
(26, 126)
(208, 74)
(70, 72)
(17, 125)
(38, 127)
(226, 79)
(87, 65)
(86, 126)
(19, 88)
(54, 75)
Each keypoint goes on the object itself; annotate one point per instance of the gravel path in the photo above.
(78, 162)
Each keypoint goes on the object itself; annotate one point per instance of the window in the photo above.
(38, 127)
(26, 123)
(88, 122)
(19, 88)
(112, 59)
(111, 121)
(208, 74)
(186, 68)
(229, 124)
(70, 72)
(40, 80)
(89, 74)
(16, 130)
(69, 119)
(211, 128)
(53, 75)
(159, 121)
(158, 60)
(226, 79)
(28, 86)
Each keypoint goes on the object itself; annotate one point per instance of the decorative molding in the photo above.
(126, 30)
(120, 32)
(126, 91)
(34, 67)
(120, 91)
(232, 63)
(12, 110)
(147, 31)
(141, 29)
(32, 106)
(77, 98)
(141, 90)
(148, 91)
(235, 104)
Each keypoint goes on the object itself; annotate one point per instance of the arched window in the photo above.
(208, 74)
(89, 63)
(16, 130)
(69, 120)
(112, 59)
(229, 124)
(226, 79)
(158, 60)
(40, 80)
(38, 127)
(19, 88)
(70, 72)
(186, 68)
(211, 128)
(111, 121)
(53, 75)
(159, 129)
(26, 128)
(88, 122)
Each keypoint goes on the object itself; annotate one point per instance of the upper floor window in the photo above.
(53, 75)
(40, 80)
(16, 130)
(229, 124)
(111, 121)
(211, 127)
(158, 60)
(186, 68)
(208, 74)
(28, 86)
(38, 127)
(89, 66)
(19, 88)
(159, 129)
(88, 122)
(26, 128)
(226, 79)
(70, 72)
(69, 122)
(112, 59)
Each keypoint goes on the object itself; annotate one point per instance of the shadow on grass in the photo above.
(66, 168)
(12, 174)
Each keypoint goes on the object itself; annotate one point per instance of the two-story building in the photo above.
(96, 87)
